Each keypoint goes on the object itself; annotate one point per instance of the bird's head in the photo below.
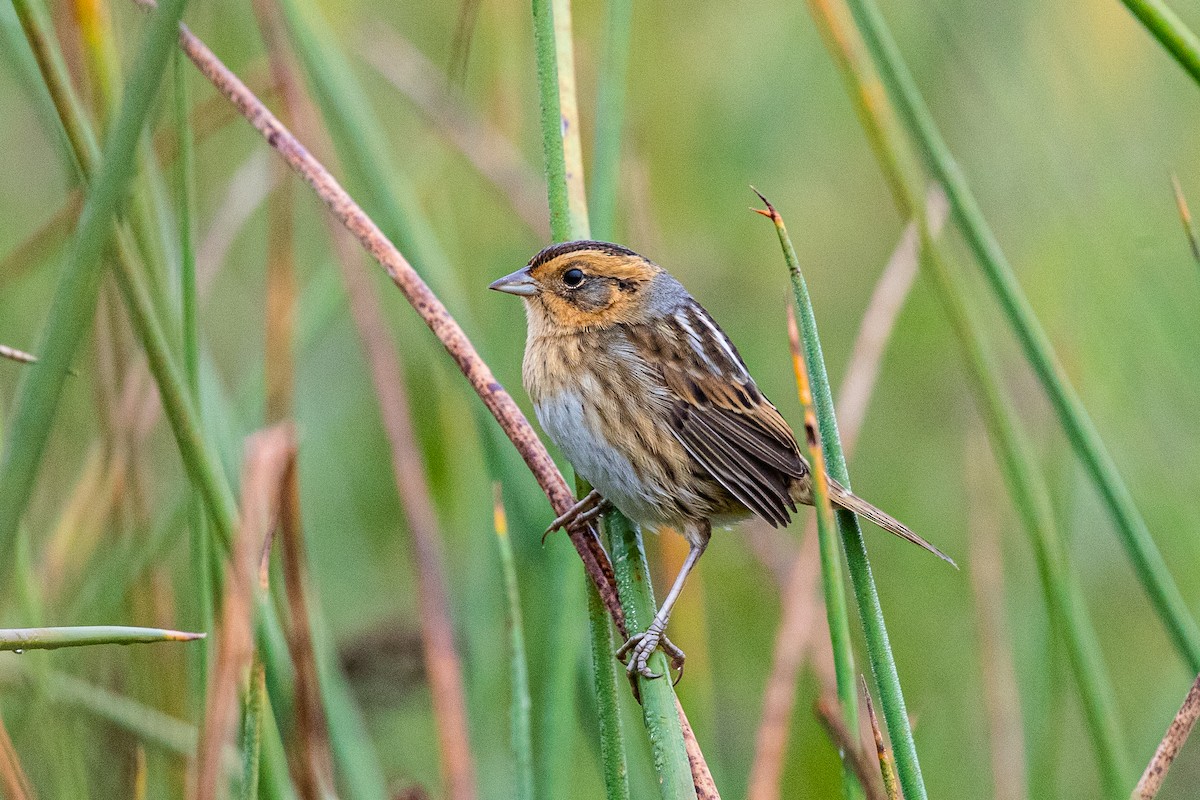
(584, 285)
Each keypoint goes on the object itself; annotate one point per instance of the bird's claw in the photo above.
(636, 652)
(579, 515)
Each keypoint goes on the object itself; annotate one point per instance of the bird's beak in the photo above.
(519, 283)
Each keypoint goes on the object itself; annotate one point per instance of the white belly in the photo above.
(582, 441)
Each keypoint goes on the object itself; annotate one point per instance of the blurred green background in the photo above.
(1068, 121)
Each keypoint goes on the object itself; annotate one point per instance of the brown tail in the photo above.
(842, 497)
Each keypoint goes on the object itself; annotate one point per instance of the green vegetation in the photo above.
(138, 216)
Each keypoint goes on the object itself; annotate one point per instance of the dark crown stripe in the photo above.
(555, 250)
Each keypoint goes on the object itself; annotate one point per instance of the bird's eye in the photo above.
(573, 277)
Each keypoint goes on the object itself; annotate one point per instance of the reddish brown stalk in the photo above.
(800, 602)
(267, 454)
(484, 145)
(829, 713)
(314, 778)
(13, 779)
(427, 305)
(887, 762)
(706, 788)
(1164, 756)
(1001, 695)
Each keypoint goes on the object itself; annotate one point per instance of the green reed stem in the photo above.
(18, 639)
(522, 737)
(1148, 562)
(1027, 490)
(883, 665)
(197, 519)
(657, 695)
(75, 298)
(1171, 32)
(610, 120)
(253, 706)
(614, 763)
(567, 197)
(827, 532)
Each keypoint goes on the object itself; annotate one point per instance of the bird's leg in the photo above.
(587, 509)
(641, 646)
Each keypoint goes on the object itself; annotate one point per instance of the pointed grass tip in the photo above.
(769, 212)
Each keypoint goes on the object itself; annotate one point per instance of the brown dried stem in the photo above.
(13, 779)
(314, 778)
(423, 300)
(281, 272)
(1177, 734)
(442, 663)
(1185, 216)
(829, 714)
(887, 762)
(702, 779)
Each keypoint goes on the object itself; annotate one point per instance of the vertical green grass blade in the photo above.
(658, 697)
(253, 705)
(831, 562)
(1148, 562)
(879, 651)
(522, 739)
(610, 120)
(201, 572)
(604, 667)
(568, 221)
(75, 297)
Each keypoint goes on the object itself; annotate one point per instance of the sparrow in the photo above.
(651, 403)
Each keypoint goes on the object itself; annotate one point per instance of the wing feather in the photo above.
(722, 419)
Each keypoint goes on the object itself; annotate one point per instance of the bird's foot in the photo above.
(582, 513)
(636, 652)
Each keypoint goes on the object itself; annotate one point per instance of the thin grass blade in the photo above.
(879, 652)
(21, 639)
(75, 298)
(522, 737)
(1148, 562)
(1025, 486)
